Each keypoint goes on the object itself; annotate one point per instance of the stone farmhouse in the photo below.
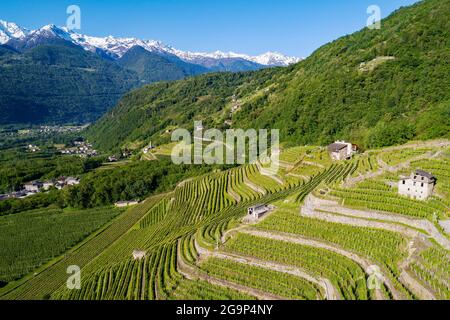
(342, 150)
(420, 185)
(258, 211)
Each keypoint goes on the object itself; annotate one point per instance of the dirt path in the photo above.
(267, 173)
(361, 222)
(418, 289)
(363, 262)
(228, 234)
(260, 295)
(445, 224)
(148, 157)
(406, 164)
(274, 267)
(313, 164)
(325, 284)
(410, 281)
(286, 165)
(423, 144)
(300, 176)
(183, 183)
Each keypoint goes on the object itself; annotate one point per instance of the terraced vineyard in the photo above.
(433, 267)
(381, 247)
(346, 276)
(366, 163)
(396, 157)
(277, 283)
(376, 196)
(43, 284)
(194, 243)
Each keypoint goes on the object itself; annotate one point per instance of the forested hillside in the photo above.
(58, 83)
(375, 87)
(55, 81)
(152, 67)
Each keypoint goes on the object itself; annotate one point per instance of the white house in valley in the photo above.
(342, 150)
(420, 185)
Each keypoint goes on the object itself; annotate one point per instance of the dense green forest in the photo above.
(374, 87)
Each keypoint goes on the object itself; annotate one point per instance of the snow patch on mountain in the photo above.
(49, 31)
(117, 47)
(9, 30)
(266, 59)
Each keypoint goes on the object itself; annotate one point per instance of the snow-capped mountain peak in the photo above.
(10, 30)
(266, 59)
(51, 30)
(117, 47)
(276, 58)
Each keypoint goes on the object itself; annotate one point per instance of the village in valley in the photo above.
(34, 187)
(77, 147)
(41, 131)
(81, 148)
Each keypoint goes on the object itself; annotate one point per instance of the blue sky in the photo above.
(293, 27)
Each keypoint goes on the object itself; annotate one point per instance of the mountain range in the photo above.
(373, 87)
(54, 75)
(118, 47)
